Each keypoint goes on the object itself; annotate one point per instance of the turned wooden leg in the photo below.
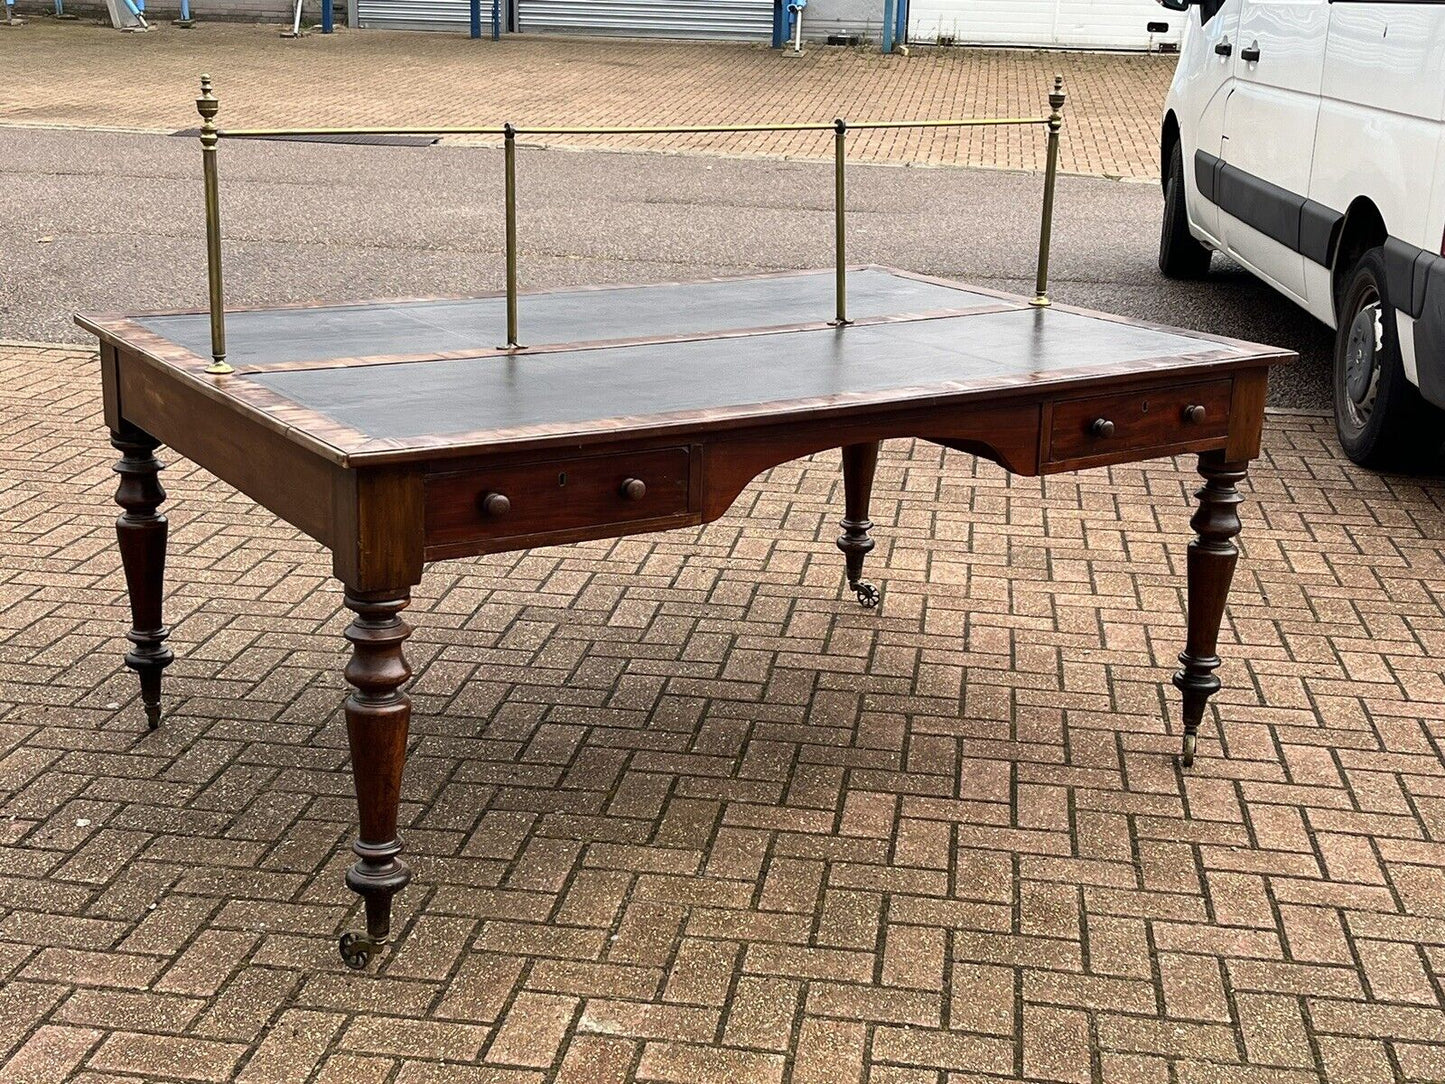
(377, 716)
(141, 531)
(859, 463)
(1212, 556)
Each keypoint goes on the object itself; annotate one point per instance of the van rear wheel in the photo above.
(1379, 415)
(1180, 255)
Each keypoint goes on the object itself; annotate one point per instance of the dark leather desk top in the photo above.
(437, 398)
(358, 379)
(261, 338)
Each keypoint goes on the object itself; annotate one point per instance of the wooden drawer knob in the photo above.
(1102, 427)
(495, 504)
(1194, 414)
(634, 489)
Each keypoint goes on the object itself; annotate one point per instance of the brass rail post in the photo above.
(840, 253)
(207, 105)
(1051, 173)
(509, 155)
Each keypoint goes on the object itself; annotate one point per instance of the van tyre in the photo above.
(1180, 255)
(1379, 415)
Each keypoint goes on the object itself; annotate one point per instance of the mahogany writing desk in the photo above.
(397, 433)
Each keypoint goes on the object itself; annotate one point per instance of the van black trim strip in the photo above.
(1206, 170)
(1414, 277)
(1272, 210)
(1319, 232)
(1415, 281)
(1411, 274)
(1302, 225)
(1430, 328)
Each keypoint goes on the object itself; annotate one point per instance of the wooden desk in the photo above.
(397, 433)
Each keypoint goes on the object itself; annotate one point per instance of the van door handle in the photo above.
(1223, 48)
(1250, 54)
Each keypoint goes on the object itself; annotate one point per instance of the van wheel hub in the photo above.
(1362, 360)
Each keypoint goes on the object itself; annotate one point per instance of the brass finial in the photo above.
(1056, 102)
(207, 105)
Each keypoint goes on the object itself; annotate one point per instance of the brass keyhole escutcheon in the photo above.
(561, 478)
(1145, 408)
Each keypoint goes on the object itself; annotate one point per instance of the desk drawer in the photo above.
(557, 495)
(1126, 421)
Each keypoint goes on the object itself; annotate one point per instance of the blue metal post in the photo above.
(900, 29)
(327, 17)
(779, 35)
(888, 8)
(185, 10)
(476, 18)
(496, 20)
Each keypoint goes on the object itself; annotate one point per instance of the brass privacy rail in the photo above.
(208, 106)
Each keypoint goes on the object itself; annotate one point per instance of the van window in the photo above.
(1208, 9)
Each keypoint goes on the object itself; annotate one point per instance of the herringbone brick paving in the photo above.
(77, 74)
(680, 811)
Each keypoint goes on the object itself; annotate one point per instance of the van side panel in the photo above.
(1380, 113)
(1199, 92)
(1269, 133)
(1379, 136)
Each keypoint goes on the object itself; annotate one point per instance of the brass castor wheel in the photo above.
(868, 595)
(357, 949)
(1190, 742)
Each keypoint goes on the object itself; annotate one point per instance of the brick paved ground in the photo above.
(681, 812)
(83, 74)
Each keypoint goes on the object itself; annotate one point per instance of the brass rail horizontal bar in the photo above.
(968, 122)
(702, 129)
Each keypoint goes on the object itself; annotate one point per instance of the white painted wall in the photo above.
(1087, 24)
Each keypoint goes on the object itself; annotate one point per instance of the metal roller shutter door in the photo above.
(420, 14)
(746, 20)
(1093, 24)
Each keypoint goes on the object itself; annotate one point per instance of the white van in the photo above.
(1306, 139)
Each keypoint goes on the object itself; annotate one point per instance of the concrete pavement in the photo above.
(86, 75)
(680, 811)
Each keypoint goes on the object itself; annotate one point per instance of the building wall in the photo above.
(1065, 24)
(277, 11)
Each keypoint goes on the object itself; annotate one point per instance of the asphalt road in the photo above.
(100, 221)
